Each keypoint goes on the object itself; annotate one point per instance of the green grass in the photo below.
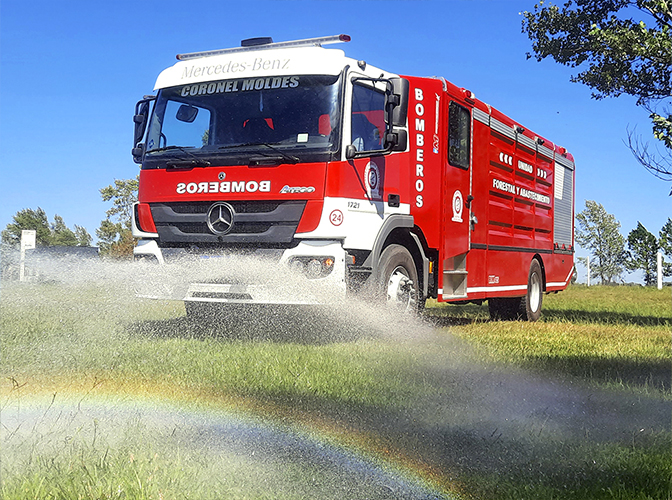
(89, 335)
(98, 342)
(385, 395)
(131, 458)
(618, 336)
(605, 472)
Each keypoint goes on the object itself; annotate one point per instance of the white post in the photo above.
(27, 243)
(588, 268)
(660, 270)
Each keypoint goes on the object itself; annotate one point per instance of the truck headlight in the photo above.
(313, 267)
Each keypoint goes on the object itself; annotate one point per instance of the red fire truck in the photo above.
(409, 188)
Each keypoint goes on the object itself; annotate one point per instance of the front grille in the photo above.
(245, 228)
(240, 206)
(272, 222)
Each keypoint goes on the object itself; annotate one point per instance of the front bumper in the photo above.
(262, 276)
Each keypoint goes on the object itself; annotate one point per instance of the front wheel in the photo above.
(397, 279)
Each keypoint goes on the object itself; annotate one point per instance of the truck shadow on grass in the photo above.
(300, 325)
(645, 374)
(467, 314)
(604, 317)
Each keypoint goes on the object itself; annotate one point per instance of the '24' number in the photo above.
(336, 217)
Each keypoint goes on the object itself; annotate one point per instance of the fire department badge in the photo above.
(457, 206)
(372, 177)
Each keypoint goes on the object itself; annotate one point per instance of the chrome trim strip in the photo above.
(481, 116)
(498, 126)
(564, 162)
(526, 141)
(543, 150)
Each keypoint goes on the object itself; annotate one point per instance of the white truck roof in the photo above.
(261, 61)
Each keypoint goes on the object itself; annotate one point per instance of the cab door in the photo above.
(457, 200)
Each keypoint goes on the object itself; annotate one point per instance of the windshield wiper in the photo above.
(242, 145)
(198, 162)
(264, 157)
(194, 162)
(165, 148)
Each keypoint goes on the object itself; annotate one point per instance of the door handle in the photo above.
(470, 198)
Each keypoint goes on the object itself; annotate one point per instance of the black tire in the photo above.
(504, 308)
(530, 305)
(397, 281)
(527, 307)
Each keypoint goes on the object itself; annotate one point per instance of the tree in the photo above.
(82, 236)
(643, 253)
(116, 239)
(28, 219)
(665, 244)
(616, 55)
(598, 231)
(62, 234)
(54, 234)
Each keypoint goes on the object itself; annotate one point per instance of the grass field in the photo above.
(609, 335)
(414, 399)
(615, 338)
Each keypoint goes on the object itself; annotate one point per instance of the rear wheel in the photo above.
(530, 305)
(397, 279)
(504, 308)
(527, 307)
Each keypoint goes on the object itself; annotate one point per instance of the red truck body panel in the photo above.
(510, 181)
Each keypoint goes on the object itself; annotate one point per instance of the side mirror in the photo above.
(187, 113)
(397, 140)
(398, 101)
(396, 113)
(350, 152)
(140, 120)
(137, 152)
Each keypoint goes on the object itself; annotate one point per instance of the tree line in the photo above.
(114, 234)
(47, 233)
(599, 232)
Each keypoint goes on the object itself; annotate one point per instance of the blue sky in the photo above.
(72, 71)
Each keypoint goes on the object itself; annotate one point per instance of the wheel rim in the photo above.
(400, 291)
(535, 292)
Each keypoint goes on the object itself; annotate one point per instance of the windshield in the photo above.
(265, 115)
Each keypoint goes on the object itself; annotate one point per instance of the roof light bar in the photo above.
(316, 42)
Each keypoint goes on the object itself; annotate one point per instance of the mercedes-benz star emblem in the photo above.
(220, 218)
